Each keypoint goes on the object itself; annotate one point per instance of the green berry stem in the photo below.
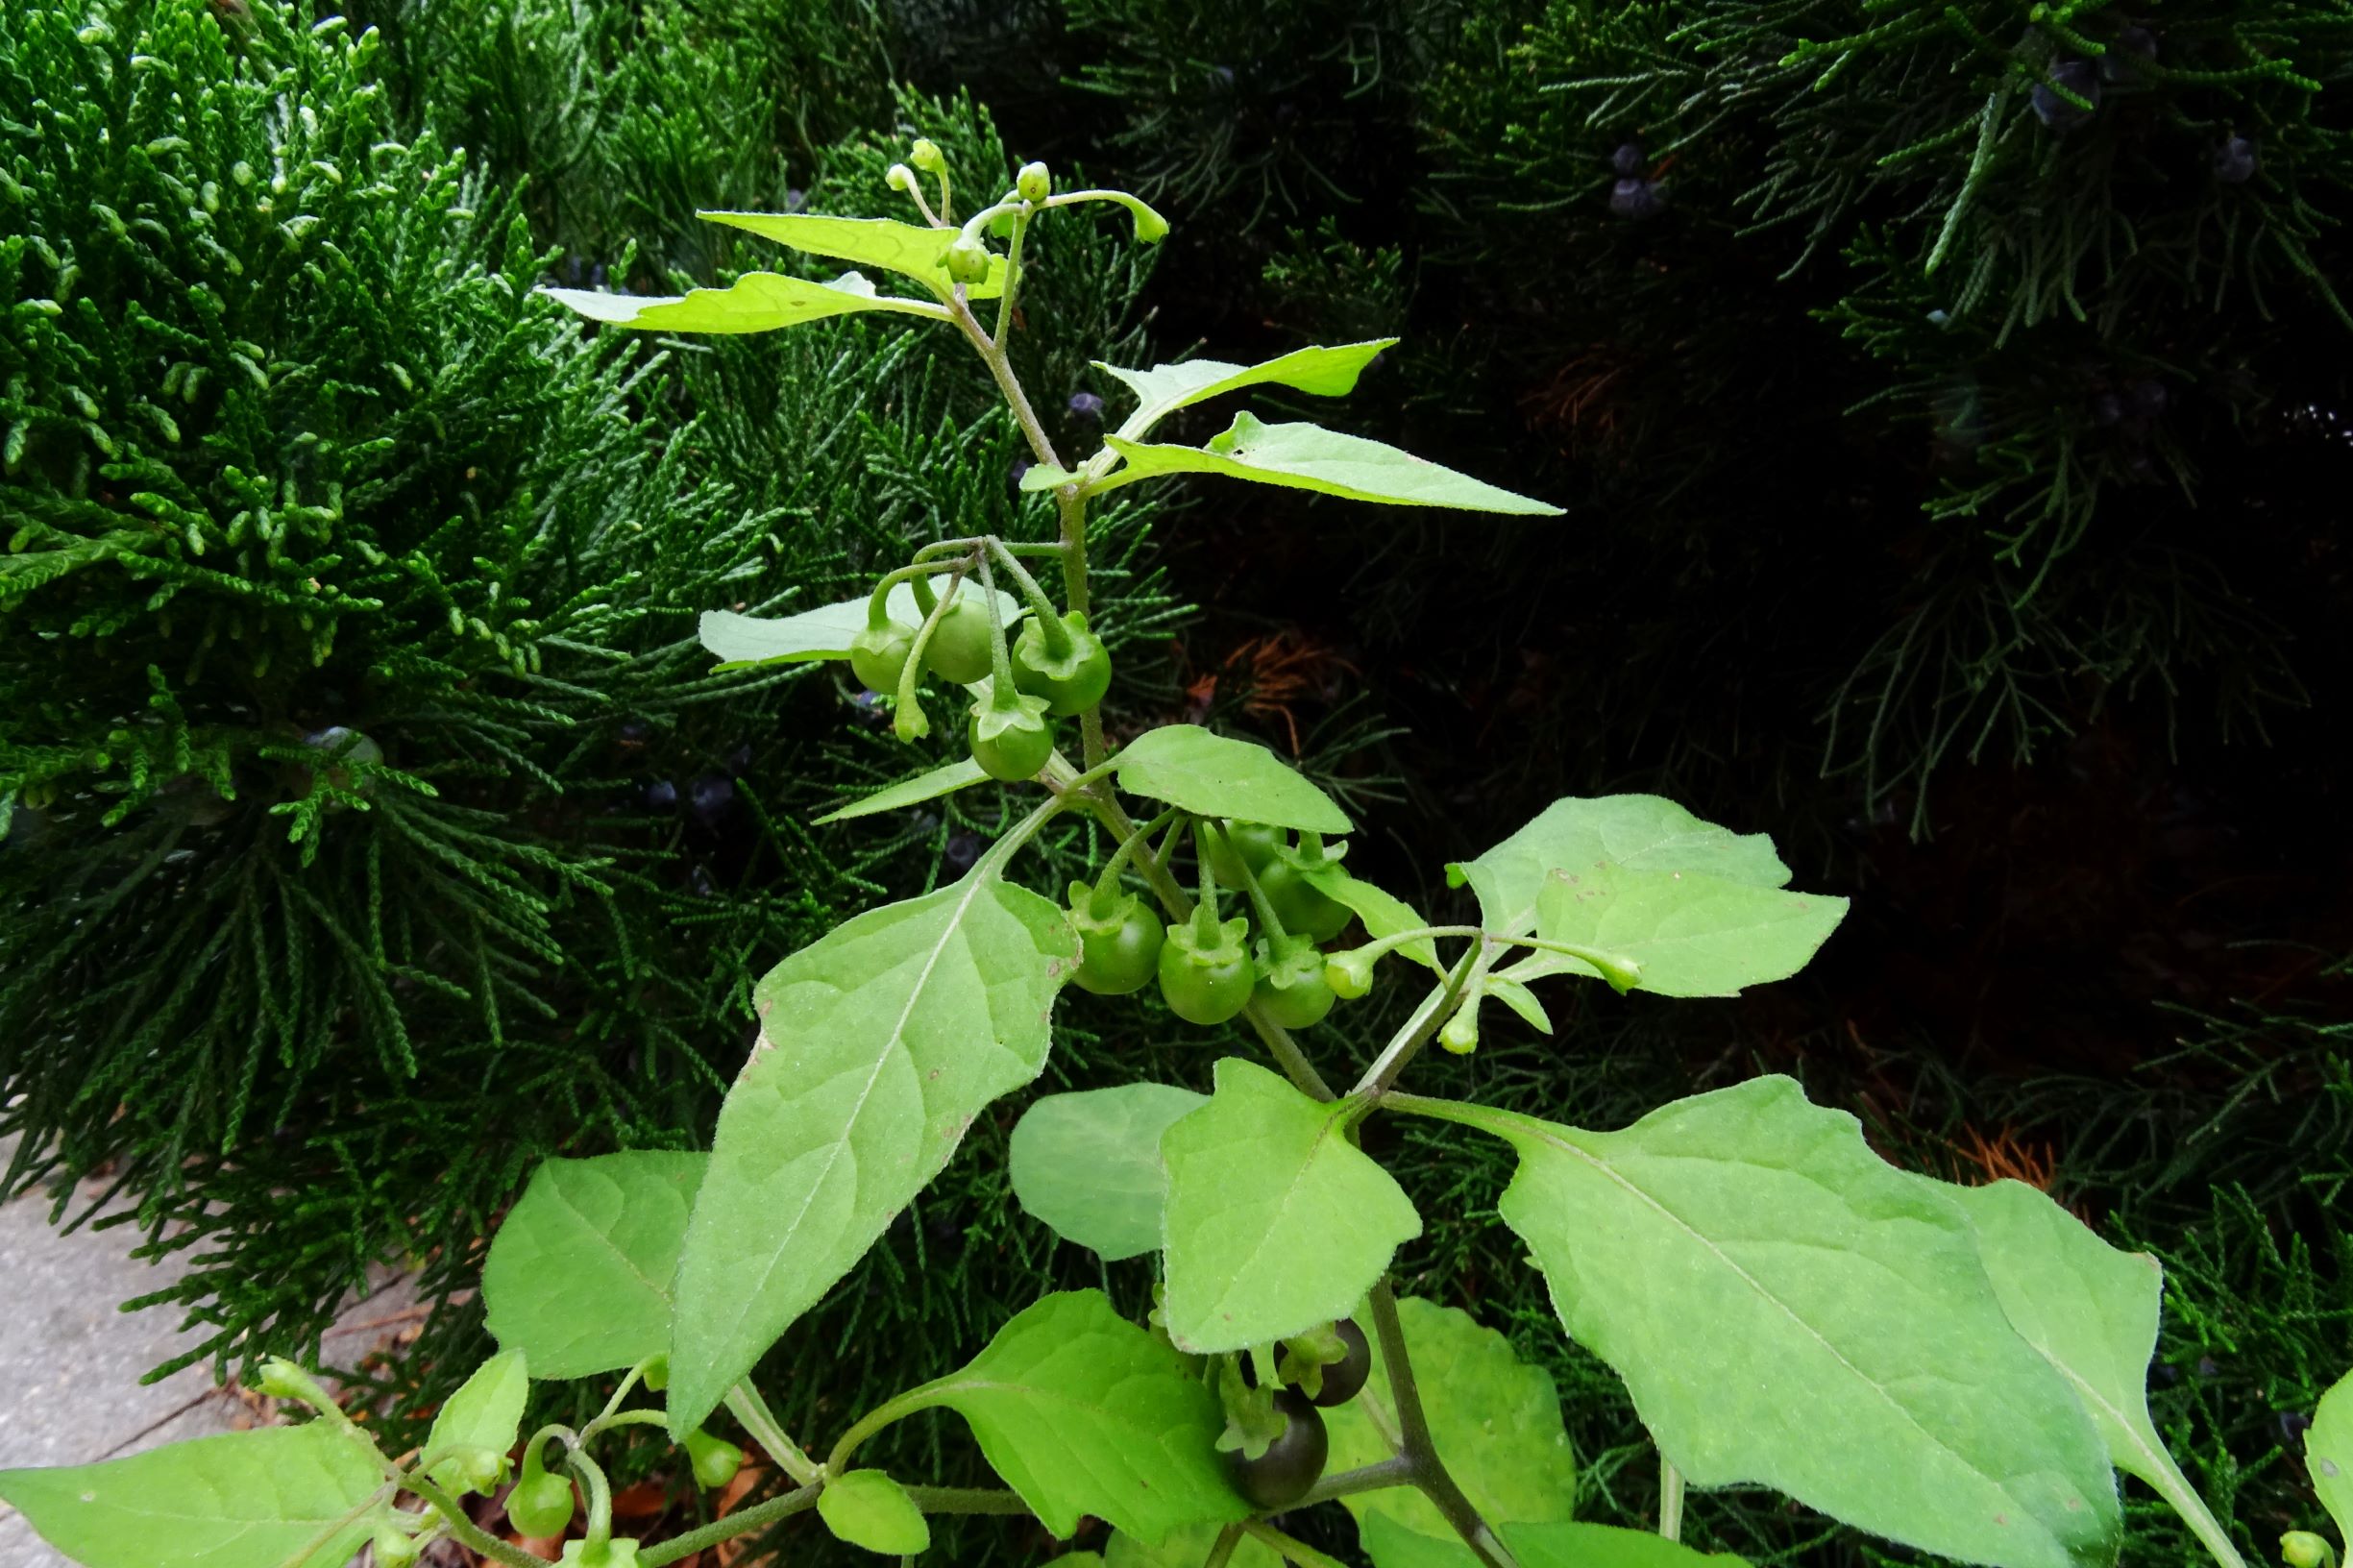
(878, 603)
(1670, 1500)
(1419, 1026)
(599, 1494)
(909, 723)
(761, 1422)
(1049, 619)
(1108, 882)
(1413, 1430)
(1012, 272)
(1002, 693)
(741, 1522)
(1258, 900)
(1150, 226)
(899, 177)
(461, 1523)
(1395, 1471)
(1297, 1553)
(979, 223)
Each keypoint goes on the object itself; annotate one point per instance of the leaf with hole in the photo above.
(1215, 776)
(1164, 389)
(276, 1497)
(912, 251)
(1788, 1309)
(1083, 1413)
(1276, 1222)
(879, 1044)
(1306, 456)
(1494, 1419)
(578, 1276)
(1088, 1164)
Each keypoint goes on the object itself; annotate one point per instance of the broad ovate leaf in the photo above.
(1083, 1413)
(878, 1045)
(911, 251)
(1788, 1309)
(1164, 389)
(1641, 832)
(2328, 1456)
(577, 1279)
(1215, 776)
(758, 302)
(1276, 1222)
(1303, 457)
(1493, 1418)
(485, 1416)
(946, 779)
(1561, 1544)
(242, 1500)
(1088, 1164)
(1680, 932)
(821, 633)
(868, 1509)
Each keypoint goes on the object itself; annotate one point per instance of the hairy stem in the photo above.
(462, 1526)
(1424, 1021)
(1223, 1553)
(769, 1432)
(1395, 1471)
(1430, 1472)
(1670, 1500)
(967, 1500)
(1294, 1551)
(741, 1522)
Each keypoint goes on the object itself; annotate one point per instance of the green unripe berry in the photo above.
(395, 1547)
(715, 1459)
(2302, 1549)
(281, 1379)
(924, 154)
(1461, 1035)
(540, 1503)
(878, 657)
(1350, 975)
(899, 177)
(1033, 183)
(968, 260)
(963, 645)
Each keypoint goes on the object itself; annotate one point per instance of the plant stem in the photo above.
(1430, 1472)
(599, 1493)
(1287, 1055)
(462, 1526)
(741, 1522)
(1395, 1471)
(1670, 1500)
(1424, 1022)
(1223, 1553)
(967, 1500)
(769, 1432)
(1294, 1551)
(2175, 1489)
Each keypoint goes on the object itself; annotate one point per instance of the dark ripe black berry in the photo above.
(1087, 406)
(1291, 1463)
(1014, 475)
(795, 199)
(661, 795)
(1635, 200)
(2107, 410)
(1626, 159)
(2060, 114)
(1343, 1379)
(963, 849)
(2149, 398)
(2233, 162)
(2122, 62)
(2293, 1426)
(710, 796)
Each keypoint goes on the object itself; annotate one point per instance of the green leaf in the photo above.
(878, 1045)
(911, 251)
(485, 1414)
(2328, 1454)
(1083, 1413)
(1275, 1222)
(909, 792)
(1493, 1418)
(243, 1499)
(1383, 913)
(1215, 776)
(1786, 1308)
(821, 633)
(868, 1509)
(1187, 1548)
(758, 302)
(1164, 389)
(1642, 832)
(1391, 1545)
(1688, 934)
(578, 1276)
(1089, 1166)
(1306, 456)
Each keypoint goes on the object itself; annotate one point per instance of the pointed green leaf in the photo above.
(911, 251)
(878, 1045)
(1088, 1164)
(1383, 914)
(758, 302)
(1164, 389)
(486, 1415)
(1305, 457)
(1493, 1418)
(1563, 1545)
(578, 1276)
(1215, 776)
(2328, 1454)
(821, 633)
(868, 1509)
(911, 792)
(1187, 1548)
(1687, 934)
(1275, 1222)
(1083, 1413)
(1645, 832)
(242, 1500)
(1788, 1309)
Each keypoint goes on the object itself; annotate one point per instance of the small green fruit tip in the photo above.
(1034, 183)
(2302, 1549)
(899, 177)
(925, 154)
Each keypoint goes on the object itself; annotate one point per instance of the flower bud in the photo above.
(2302, 1549)
(925, 156)
(1033, 183)
(899, 177)
(967, 259)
